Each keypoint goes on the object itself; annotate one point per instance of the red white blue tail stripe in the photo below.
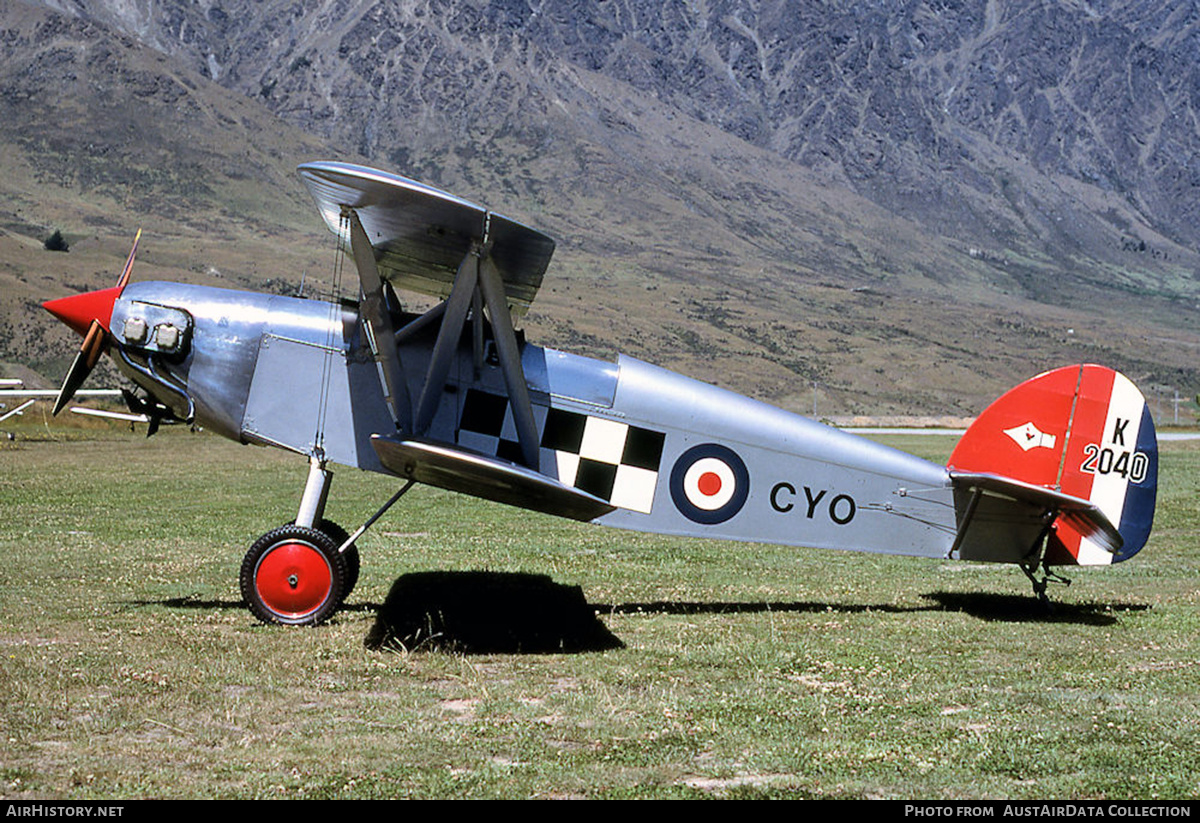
(1086, 431)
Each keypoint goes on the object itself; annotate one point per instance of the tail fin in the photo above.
(1081, 430)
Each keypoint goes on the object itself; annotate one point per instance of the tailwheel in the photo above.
(293, 575)
(1039, 585)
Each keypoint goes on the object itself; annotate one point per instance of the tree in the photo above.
(56, 242)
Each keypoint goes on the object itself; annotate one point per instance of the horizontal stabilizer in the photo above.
(1083, 515)
(421, 234)
(487, 477)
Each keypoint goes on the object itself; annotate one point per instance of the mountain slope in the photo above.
(912, 104)
(766, 196)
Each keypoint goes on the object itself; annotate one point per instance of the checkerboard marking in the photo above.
(614, 461)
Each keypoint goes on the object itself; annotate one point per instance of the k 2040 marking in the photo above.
(1098, 459)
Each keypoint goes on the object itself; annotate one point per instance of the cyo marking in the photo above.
(841, 508)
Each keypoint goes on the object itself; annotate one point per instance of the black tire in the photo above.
(293, 576)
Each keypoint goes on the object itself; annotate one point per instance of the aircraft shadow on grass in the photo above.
(998, 607)
(484, 612)
(1011, 608)
(480, 612)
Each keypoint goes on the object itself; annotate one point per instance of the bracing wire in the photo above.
(331, 335)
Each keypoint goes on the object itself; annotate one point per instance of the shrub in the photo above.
(56, 242)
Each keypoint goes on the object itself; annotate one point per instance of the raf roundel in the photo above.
(709, 484)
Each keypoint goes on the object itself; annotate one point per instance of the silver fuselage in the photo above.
(674, 455)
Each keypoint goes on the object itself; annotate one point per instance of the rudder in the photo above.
(1084, 430)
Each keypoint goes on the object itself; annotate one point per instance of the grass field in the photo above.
(130, 668)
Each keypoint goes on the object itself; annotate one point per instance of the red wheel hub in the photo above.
(293, 579)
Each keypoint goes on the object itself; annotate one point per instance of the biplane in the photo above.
(1060, 471)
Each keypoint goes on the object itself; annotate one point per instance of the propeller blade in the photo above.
(94, 344)
(92, 310)
(129, 263)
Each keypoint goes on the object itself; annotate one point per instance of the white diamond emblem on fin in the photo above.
(1030, 436)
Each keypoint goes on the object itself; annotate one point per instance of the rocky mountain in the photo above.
(907, 103)
(906, 204)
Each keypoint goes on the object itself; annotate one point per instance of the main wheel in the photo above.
(293, 575)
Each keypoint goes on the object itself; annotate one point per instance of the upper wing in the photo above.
(421, 234)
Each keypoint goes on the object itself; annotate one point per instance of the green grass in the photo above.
(129, 668)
